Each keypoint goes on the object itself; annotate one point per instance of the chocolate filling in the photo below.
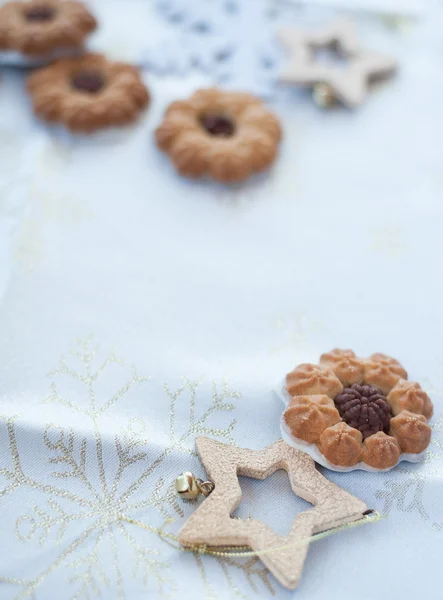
(365, 408)
(218, 125)
(40, 13)
(88, 81)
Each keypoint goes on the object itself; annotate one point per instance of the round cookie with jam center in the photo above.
(228, 136)
(41, 27)
(88, 93)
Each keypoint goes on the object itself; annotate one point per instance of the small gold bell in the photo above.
(323, 95)
(188, 487)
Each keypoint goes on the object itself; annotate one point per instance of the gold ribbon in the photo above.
(241, 552)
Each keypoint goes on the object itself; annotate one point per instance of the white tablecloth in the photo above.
(139, 310)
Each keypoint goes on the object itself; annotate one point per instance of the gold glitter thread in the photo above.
(243, 551)
(207, 584)
(99, 503)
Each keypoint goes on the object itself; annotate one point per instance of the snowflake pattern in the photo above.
(209, 36)
(99, 478)
(405, 490)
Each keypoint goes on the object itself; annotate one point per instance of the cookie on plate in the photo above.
(348, 412)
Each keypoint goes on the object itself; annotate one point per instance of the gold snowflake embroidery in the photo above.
(405, 489)
(92, 496)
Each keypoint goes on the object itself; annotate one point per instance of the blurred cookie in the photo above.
(40, 27)
(88, 93)
(226, 135)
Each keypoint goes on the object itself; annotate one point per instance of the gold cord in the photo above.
(240, 551)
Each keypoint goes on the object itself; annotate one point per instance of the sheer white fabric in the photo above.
(140, 309)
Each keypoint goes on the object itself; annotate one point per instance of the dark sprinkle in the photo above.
(40, 13)
(365, 408)
(218, 125)
(88, 81)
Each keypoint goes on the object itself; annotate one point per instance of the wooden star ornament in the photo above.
(347, 82)
(212, 525)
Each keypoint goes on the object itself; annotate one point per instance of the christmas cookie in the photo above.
(352, 413)
(88, 93)
(39, 27)
(226, 135)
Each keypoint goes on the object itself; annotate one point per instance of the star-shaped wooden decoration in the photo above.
(212, 525)
(348, 83)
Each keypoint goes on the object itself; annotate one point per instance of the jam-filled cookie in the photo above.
(349, 412)
(226, 135)
(88, 93)
(39, 27)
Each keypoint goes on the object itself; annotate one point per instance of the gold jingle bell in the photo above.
(188, 487)
(323, 95)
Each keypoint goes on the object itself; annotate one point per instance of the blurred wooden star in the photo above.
(212, 525)
(348, 82)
